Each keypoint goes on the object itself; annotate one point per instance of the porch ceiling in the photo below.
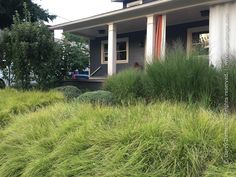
(134, 18)
(173, 18)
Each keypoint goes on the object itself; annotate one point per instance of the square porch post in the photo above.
(112, 49)
(150, 39)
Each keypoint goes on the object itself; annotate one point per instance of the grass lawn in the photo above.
(13, 102)
(75, 139)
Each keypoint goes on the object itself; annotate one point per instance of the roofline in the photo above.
(157, 7)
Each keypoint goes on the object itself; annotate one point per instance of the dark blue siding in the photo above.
(136, 50)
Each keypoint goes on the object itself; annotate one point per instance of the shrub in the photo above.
(100, 97)
(70, 92)
(2, 84)
(126, 86)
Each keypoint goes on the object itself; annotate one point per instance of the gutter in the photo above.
(155, 7)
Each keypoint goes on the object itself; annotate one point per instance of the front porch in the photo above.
(137, 36)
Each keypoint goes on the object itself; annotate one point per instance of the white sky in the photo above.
(68, 10)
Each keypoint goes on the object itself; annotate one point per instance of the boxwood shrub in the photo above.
(98, 97)
(70, 92)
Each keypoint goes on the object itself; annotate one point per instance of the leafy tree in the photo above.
(6, 55)
(8, 9)
(28, 53)
(33, 53)
(73, 54)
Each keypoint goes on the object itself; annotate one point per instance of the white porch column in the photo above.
(222, 32)
(111, 49)
(58, 35)
(150, 39)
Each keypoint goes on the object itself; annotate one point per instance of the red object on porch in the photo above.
(158, 37)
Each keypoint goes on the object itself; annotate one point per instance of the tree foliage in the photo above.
(73, 52)
(28, 50)
(8, 9)
(29, 54)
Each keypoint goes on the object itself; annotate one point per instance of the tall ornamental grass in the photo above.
(73, 139)
(177, 78)
(126, 86)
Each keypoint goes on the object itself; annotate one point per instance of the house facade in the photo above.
(139, 33)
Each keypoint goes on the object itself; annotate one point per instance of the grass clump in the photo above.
(222, 171)
(74, 139)
(97, 97)
(70, 92)
(180, 78)
(14, 102)
(126, 85)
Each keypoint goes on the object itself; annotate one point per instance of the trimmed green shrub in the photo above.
(70, 92)
(100, 97)
(2, 84)
(126, 86)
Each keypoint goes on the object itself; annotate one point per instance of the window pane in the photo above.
(121, 55)
(121, 51)
(121, 46)
(201, 42)
(105, 56)
(105, 47)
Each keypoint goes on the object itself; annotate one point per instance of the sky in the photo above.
(68, 10)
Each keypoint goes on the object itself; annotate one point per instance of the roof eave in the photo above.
(157, 7)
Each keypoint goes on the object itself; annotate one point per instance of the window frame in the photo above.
(190, 32)
(126, 40)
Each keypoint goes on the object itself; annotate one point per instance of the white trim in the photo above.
(134, 3)
(126, 39)
(190, 36)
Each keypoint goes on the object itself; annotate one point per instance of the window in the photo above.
(121, 50)
(198, 40)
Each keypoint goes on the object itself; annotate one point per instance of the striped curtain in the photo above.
(160, 37)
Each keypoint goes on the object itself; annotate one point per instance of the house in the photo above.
(141, 31)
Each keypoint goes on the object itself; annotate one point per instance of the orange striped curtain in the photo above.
(158, 37)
